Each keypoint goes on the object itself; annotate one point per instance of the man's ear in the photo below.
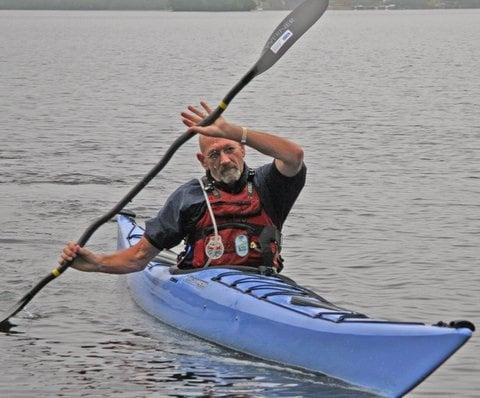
(243, 149)
(201, 159)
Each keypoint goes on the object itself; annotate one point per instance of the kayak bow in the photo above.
(273, 318)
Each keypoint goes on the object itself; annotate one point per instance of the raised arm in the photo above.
(288, 155)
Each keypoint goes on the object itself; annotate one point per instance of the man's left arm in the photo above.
(288, 155)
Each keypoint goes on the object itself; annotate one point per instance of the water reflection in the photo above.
(176, 365)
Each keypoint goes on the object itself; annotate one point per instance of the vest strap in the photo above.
(252, 228)
(270, 244)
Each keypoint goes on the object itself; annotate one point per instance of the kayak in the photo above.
(275, 319)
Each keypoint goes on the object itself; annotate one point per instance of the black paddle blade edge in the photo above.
(289, 31)
(5, 324)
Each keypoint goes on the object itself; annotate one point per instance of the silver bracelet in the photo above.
(243, 141)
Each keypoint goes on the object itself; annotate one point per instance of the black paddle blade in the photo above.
(289, 31)
(5, 325)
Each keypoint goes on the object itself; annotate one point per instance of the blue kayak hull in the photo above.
(274, 320)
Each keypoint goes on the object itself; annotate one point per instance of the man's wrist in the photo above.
(98, 263)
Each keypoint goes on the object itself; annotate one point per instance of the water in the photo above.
(386, 105)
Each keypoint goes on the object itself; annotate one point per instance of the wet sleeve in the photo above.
(279, 192)
(169, 227)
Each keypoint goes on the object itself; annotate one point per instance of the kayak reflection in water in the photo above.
(232, 215)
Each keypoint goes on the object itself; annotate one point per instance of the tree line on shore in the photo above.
(175, 5)
(219, 5)
(212, 5)
(426, 4)
(84, 4)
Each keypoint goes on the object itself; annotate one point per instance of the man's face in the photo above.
(223, 158)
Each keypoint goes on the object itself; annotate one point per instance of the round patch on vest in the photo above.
(241, 245)
(214, 248)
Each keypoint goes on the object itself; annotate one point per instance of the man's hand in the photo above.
(84, 259)
(194, 116)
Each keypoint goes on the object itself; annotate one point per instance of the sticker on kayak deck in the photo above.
(191, 280)
(241, 245)
(214, 248)
(281, 41)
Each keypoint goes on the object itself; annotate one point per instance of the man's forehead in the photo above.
(208, 144)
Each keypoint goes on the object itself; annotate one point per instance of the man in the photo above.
(232, 216)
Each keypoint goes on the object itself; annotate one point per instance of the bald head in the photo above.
(206, 142)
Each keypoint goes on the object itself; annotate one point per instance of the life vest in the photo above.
(247, 232)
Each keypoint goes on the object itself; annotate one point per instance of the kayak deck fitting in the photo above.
(273, 318)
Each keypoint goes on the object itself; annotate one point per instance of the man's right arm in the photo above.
(125, 261)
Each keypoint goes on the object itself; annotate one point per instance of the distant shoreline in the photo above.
(169, 10)
(230, 5)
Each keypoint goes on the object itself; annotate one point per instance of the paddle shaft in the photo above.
(210, 119)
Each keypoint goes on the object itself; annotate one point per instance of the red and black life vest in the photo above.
(248, 234)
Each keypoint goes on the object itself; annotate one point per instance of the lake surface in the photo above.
(387, 107)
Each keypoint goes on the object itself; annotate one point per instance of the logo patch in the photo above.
(196, 282)
(241, 245)
(214, 248)
(281, 41)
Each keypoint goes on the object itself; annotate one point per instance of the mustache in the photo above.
(228, 167)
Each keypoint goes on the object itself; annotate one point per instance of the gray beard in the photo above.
(230, 176)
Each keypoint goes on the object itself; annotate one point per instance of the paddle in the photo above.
(284, 36)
